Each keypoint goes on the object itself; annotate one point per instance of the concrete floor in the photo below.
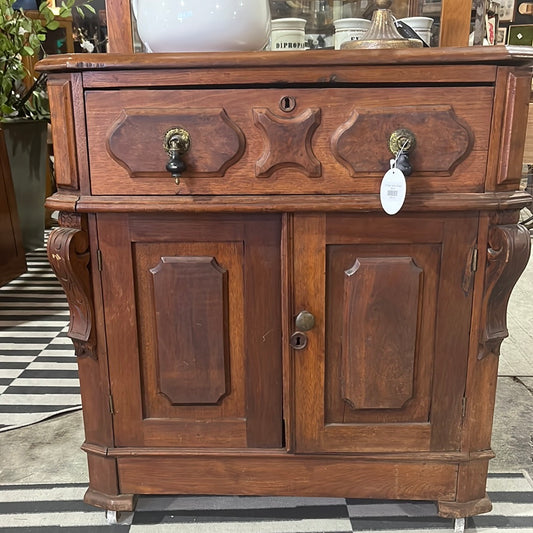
(49, 452)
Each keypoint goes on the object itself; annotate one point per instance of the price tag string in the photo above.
(394, 161)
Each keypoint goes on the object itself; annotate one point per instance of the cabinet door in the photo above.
(385, 365)
(192, 310)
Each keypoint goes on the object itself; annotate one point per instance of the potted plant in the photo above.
(24, 107)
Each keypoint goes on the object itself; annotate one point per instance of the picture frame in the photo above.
(501, 35)
(521, 35)
(507, 10)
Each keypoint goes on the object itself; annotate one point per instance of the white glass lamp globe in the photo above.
(202, 25)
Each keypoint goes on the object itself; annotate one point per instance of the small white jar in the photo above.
(350, 29)
(287, 34)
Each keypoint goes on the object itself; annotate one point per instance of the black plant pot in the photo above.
(27, 151)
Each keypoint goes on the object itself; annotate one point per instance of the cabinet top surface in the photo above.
(495, 55)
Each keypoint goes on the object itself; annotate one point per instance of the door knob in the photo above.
(305, 321)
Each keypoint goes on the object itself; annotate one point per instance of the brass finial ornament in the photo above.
(382, 32)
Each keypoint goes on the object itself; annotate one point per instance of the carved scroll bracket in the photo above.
(68, 253)
(508, 252)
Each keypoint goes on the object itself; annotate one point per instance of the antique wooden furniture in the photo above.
(258, 325)
(12, 256)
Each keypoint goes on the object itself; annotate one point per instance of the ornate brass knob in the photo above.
(401, 143)
(177, 142)
(402, 140)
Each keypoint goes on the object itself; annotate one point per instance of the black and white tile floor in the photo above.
(38, 373)
(46, 508)
(38, 378)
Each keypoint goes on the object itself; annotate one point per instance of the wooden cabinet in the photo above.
(261, 326)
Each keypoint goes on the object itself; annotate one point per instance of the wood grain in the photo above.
(68, 253)
(119, 26)
(138, 131)
(63, 138)
(191, 308)
(288, 475)
(249, 412)
(380, 317)
(509, 247)
(473, 56)
(286, 175)
(288, 142)
(455, 23)
(360, 143)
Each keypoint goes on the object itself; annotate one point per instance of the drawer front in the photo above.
(286, 141)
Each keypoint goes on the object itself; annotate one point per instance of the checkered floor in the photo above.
(38, 373)
(46, 508)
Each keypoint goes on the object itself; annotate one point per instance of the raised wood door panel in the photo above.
(193, 327)
(287, 141)
(385, 365)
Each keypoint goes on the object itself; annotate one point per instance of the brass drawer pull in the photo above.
(401, 143)
(177, 142)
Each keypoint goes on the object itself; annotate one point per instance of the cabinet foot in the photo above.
(112, 517)
(463, 509)
(111, 503)
(459, 525)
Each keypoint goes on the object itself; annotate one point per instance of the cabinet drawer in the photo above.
(286, 141)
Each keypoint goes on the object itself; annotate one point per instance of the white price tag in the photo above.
(393, 189)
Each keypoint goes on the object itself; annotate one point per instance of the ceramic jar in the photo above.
(206, 26)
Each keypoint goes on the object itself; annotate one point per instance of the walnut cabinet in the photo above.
(260, 325)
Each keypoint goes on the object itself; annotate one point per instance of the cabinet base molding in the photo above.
(282, 455)
(116, 502)
(287, 476)
(460, 510)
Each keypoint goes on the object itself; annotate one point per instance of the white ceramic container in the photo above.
(350, 29)
(288, 34)
(202, 25)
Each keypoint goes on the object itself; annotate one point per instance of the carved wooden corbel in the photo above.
(68, 253)
(507, 255)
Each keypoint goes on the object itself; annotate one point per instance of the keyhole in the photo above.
(298, 340)
(287, 104)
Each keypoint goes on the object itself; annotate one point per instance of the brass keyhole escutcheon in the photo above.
(298, 340)
(287, 104)
(402, 140)
(177, 142)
